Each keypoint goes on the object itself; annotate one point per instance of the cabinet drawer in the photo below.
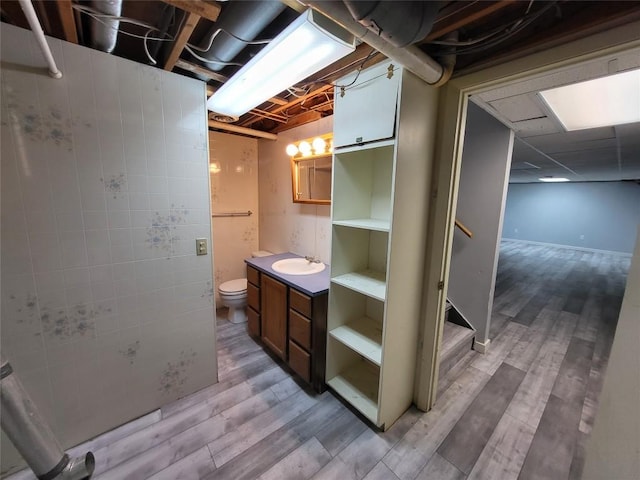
(300, 302)
(300, 329)
(253, 275)
(253, 297)
(299, 361)
(253, 322)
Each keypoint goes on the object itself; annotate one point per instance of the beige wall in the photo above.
(284, 225)
(233, 163)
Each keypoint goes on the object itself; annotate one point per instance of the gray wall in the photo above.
(486, 160)
(613, 451)
(598, 215)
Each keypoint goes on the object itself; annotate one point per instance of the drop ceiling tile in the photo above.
(519, 107)
(535, 127)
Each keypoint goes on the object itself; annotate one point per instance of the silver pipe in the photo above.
(411, 57)
(32, 436)
(34, 23)
(104, 35)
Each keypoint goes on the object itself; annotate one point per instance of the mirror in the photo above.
(311, 169)
(311, 179)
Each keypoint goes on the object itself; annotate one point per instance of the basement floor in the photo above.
(524, 410)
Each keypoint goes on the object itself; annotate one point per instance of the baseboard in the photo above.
(480, 346)
(568, 247)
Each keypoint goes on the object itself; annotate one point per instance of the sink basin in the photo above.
(297, 266)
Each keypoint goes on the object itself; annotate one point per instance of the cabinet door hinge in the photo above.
(440, 285)
(390, 70)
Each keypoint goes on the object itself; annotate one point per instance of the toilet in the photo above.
(233, 294)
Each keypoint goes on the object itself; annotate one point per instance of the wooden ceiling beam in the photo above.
(192, 67)
(472, 13)
(290, 104)
(203, 8)
(303, 118)
(67, 20)
(181, 40)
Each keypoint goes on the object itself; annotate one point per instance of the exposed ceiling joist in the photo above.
(68, 21)
(464, 16)
(203, 8)
(186, 30)
(291, 103)
(298, 120)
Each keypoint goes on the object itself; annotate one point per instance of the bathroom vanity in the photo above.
(288, 313)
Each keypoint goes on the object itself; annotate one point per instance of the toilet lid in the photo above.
(234, 286)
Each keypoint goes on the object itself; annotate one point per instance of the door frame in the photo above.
(454, 98)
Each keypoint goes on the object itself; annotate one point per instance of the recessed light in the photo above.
(553, 179)
(606, 101)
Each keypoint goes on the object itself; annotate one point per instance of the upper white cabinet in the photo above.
(384, 131)
(366, 109)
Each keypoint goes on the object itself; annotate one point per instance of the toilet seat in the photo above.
(234, 287)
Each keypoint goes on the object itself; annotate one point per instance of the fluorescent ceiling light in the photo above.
(602, 102)
(309, 44)
(553, 179)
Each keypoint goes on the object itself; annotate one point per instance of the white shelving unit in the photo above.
(381, 176)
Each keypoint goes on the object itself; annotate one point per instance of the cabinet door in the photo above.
(367, 110)
(273, 314)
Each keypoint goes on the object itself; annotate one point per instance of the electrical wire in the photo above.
(512, 28)
(208, 60)
(221, 30)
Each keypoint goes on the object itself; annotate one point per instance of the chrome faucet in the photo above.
(311, 259)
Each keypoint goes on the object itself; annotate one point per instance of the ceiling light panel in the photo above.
(605, 101)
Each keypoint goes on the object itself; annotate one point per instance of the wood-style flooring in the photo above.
(524, 410)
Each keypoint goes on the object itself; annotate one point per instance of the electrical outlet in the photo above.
(201, 246)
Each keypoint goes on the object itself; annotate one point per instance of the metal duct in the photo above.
(32, 436)
(411, 57)
(244, 19)
(104, 35)
(400, 23)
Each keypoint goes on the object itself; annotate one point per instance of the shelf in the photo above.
(367, 282)
(365, 146)
(359, 386)
(365, 223)
(364, 336)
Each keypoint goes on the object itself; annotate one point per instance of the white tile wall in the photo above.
(286, 226)
(234, 188)
(107, 313)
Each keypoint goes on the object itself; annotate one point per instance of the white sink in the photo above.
(297, 266)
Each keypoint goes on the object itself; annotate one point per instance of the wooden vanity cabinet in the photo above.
(292, 324)
(253, 302)
(307, 336)
(273, 313)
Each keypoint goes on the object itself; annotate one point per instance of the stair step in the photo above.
(457, 342)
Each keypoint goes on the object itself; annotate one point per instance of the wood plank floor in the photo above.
(524, 410)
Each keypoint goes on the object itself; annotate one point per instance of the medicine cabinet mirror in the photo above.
(311, 170)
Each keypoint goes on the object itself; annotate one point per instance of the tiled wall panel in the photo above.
(107, 313)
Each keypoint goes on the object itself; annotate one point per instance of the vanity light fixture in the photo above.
(320, 146)
(307, 45)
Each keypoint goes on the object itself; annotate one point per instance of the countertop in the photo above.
(313, 285)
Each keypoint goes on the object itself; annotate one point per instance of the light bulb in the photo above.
(319, 145)
(305, 148)
(292, 150)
